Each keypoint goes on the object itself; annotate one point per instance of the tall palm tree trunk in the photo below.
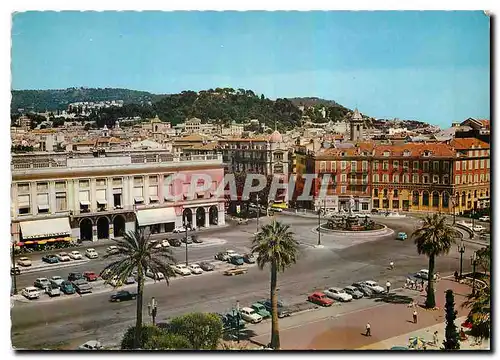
(275, 332)
(138, 317)
(431, 300)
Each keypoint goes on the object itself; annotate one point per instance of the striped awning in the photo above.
(45, 228)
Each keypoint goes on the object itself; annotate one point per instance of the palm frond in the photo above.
(434, 236)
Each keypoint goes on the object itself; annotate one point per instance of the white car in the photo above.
(372, 285)
(424, 274)
(75, 255)
(181, 269)
(155, 276)
(112, 249)
(179, 229)
(162, 244)
(30, 292)
(195, 269)
(478, 228)
(24, 261)
(91, 253)
(484, 218)
(249, 315)
(56, 280)
(90, 345)
(63, 256)
(363, 215)
(337, 294)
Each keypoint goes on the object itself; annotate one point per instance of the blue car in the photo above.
(402, 236)
(51, 259)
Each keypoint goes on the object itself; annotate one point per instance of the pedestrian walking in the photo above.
(456, 275)
(391, 265)
(368, 330)
(415, 316)
(388, 286)
(435, 338)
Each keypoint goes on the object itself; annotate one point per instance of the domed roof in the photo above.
(276, 137)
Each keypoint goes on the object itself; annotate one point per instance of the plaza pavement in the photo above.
(390, 319)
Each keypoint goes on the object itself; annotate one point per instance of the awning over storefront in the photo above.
(45, 228)
(155, 216)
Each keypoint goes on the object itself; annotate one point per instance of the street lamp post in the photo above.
(319, 225)
(473, 214)
(186, 224)
(238, 321)
(473, 260)
(258, 213)
(153, 309)
(454, 205)
(14, 275)
(461, 250)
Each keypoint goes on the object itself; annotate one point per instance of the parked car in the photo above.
(402, 236)
(225, 255)
(363, 288)
(91, 253)
(206, 266)
(236, 260)
(113, 249)
(320, 299)
(249, 258)
(337, 294)
(53, 290)
(75, 255)
(261, 310)
(179, 229)
(196, 239)
(174, 242)
(424, 274)
(374, 211)
(485, 218)
(82, 286)
(15, 270)
(63, 257)
(372, 285)
(24, 261)
(41, 283)
(181, 269)
(355, 293)
(195, 269)
(122, 295)
(30, 293)
(232, 321)
(283, 311)
(50, 258)
(155, 276)
(478, 228)
(90, 345)
(250, 315)
(67, 288)
(187, 239)
(130, 280)
(73, 276)
(162, 244)
(115, 282)
(90, 276)
(56, 280)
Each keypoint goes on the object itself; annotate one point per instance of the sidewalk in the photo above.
(389, 319)
(427, 333)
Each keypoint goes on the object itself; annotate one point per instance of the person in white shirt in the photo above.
(368, 330)
(391, 265)
(388, 286)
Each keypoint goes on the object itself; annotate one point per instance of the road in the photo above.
(80, 319)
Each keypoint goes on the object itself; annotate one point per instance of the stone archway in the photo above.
(118, 226)
(86, 229)
(464, 200)
(213, 215)
(200, 217)
(187, 216)
(425, 198)
(435, 199)
(103, 228)
(416, 198)
(446, 200)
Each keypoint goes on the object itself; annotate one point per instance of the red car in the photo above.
(90, 276)
(320, 299)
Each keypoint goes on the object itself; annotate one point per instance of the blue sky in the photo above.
(429, 66)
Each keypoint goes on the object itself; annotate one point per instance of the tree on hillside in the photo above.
(452, 339)
(433, 238)
(137, 253)
(274, 245)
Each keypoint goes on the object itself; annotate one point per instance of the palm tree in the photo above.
(433, 238)
(275, 245)
(137, 253)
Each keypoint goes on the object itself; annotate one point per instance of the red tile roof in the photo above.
(468, 143)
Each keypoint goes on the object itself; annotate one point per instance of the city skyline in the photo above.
(428, 66)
